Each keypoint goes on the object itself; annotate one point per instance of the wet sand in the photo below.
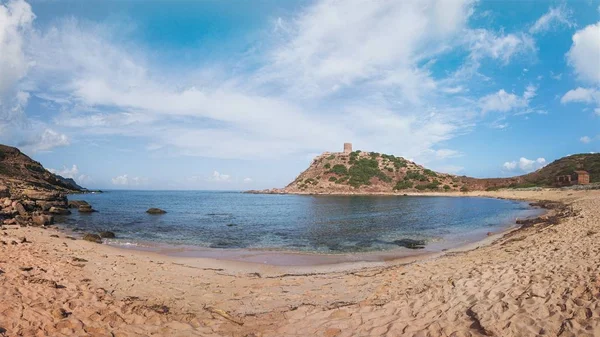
(540, 280)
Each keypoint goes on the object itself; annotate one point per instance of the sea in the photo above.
(218, 220)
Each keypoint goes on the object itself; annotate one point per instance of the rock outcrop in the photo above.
(29, 194)
(374, 173)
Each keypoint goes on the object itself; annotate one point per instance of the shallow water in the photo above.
(322, 224)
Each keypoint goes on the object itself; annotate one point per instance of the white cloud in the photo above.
(284, 107)
(485, 43)
(219, 177)
(248, 180)
(584, 55)
(337, 71)
(446, 153)
(584, 95)
(126, 180)
(334, 44)
(15, 20)
(585, 139)
(556, 16)
(47, 140)
(72, 173)
(504, 102)
(525, 165)
(555, 76)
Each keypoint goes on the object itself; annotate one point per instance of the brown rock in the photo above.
(4, 192)
(59, 211)
(42, 220)
(42, 195)
(21, 209)
(59, 313)
(86, 209)
(77, 203)
(332, 332)
(46, 205)
(155, 211)
(93, 238)
(107, 235)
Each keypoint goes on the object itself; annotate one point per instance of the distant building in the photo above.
(583, 177)
(577, 178)
(347, 147)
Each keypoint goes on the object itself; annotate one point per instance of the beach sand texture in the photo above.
(543, 280)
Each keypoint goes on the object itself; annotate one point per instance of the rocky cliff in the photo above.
(17, 169)
(371, 172)
(30, 194)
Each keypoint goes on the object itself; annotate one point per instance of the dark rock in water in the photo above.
(59, 211)
(92, 238)
(77, 203)
(231, 225)
(155, 211)
(107, 235)
(86, 209)
(410, 243)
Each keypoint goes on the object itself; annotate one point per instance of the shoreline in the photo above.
(313, 260)
(535, 277)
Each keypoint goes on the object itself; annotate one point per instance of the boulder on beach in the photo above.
(107, 235)
(42, 220)
(155, 211)
(21, 209)
(92, 238)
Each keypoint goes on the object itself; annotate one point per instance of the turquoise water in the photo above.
(325, 224)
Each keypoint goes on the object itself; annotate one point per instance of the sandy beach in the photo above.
(542, 279)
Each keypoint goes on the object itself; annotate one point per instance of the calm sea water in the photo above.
(327, 224)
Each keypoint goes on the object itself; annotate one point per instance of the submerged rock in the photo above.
(92, 238)
(107, 235)
(410, 243)
(155, 211)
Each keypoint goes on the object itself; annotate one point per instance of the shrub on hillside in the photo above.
(339, 169)
(403, 185)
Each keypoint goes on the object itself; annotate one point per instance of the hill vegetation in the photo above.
(369, 172)
(372, 172)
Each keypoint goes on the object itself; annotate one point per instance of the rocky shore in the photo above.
(542, 279)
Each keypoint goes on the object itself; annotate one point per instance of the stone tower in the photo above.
(347, 147)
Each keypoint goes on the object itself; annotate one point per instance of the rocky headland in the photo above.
(360, 172)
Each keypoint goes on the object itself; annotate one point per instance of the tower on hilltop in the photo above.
(347, 147)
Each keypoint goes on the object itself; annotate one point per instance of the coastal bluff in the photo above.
(361, 172)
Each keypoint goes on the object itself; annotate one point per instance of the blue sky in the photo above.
(243, 94)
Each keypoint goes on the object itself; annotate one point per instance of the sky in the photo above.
(235, 95)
